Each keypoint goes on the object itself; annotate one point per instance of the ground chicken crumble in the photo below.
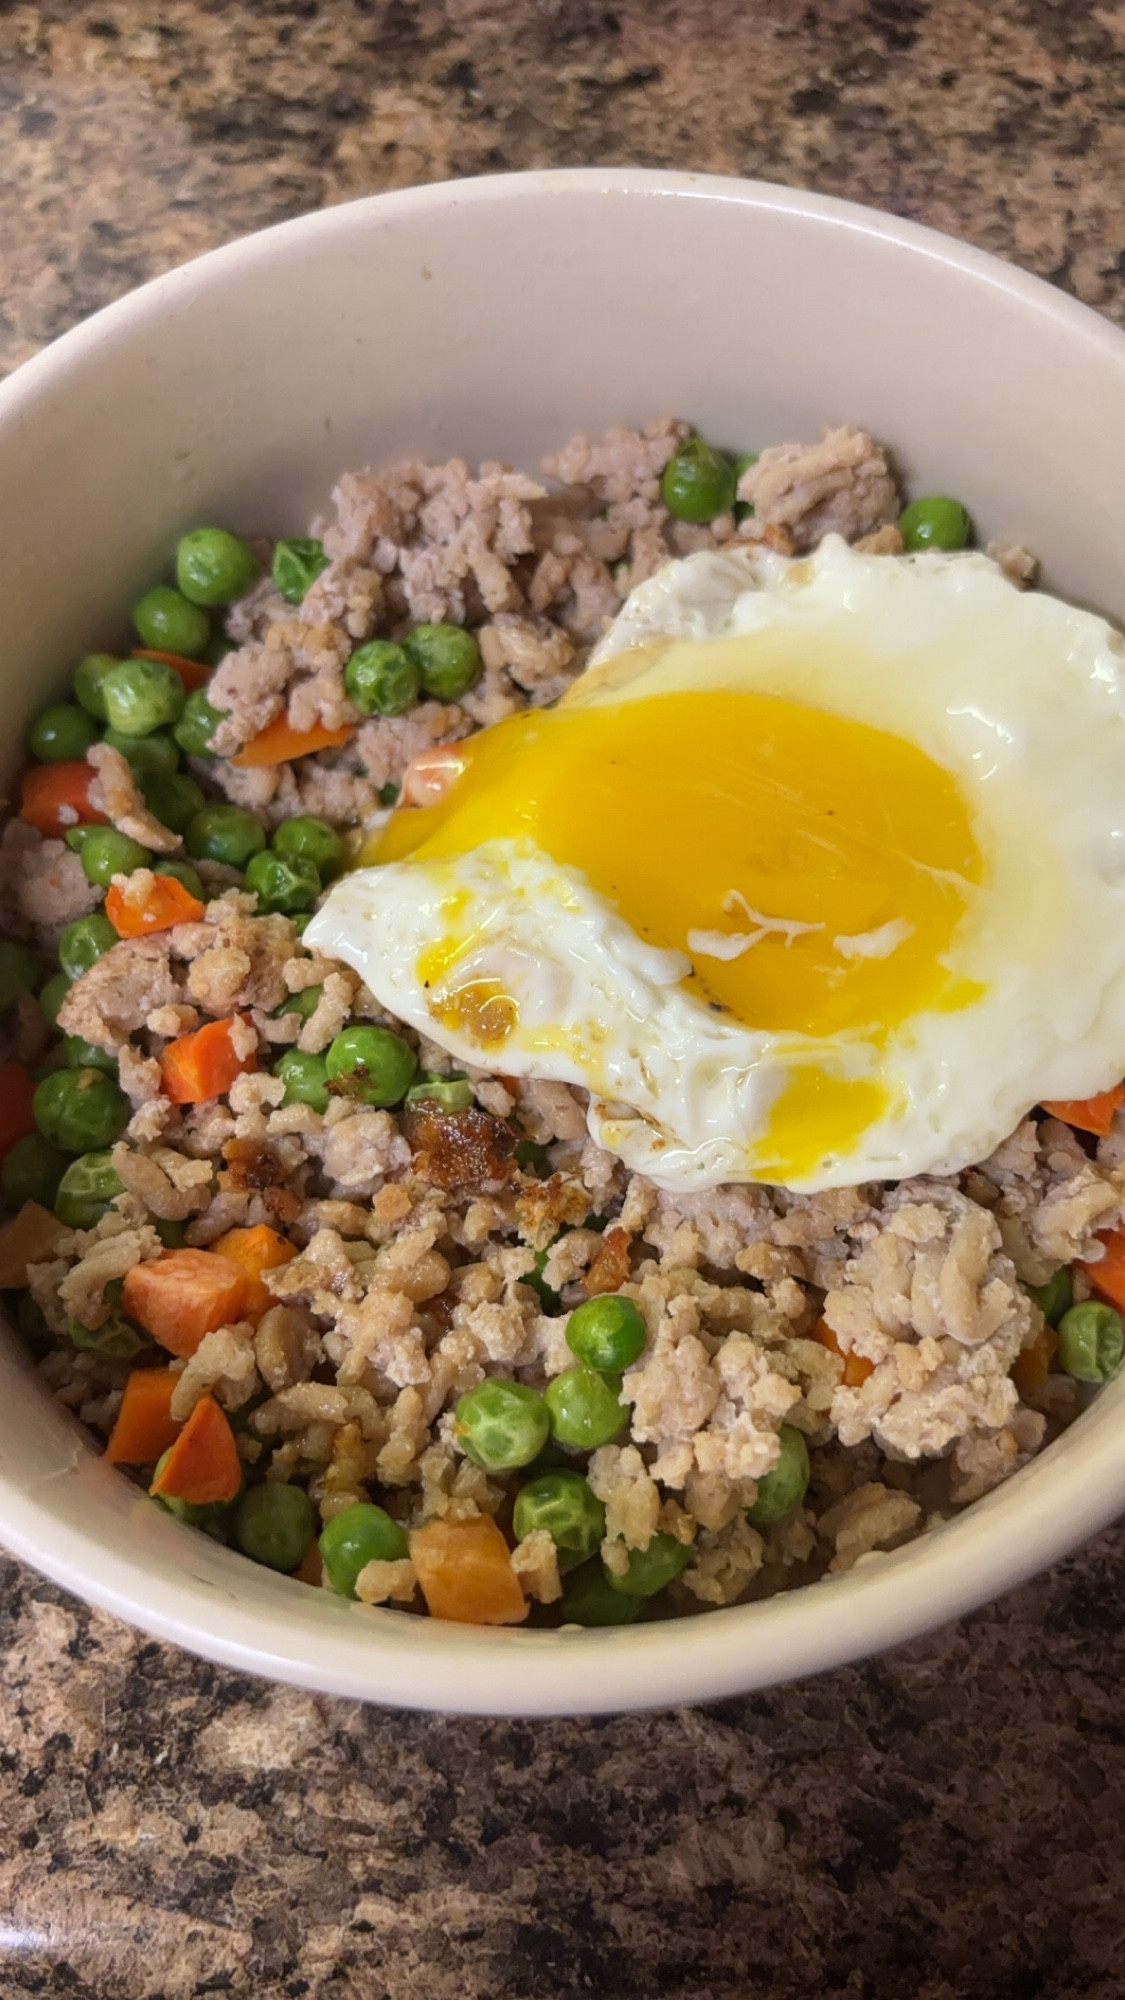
(411, 1278)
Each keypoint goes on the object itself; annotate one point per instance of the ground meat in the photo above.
(41, 882)
(222, 1366)
(387, 746)
(536, 1563)
(840, 486)
(1018, 564)
(387, 1582)
(119, 992)
(873, 1517)
(116, 792)
(235, 960)
(104, 1255)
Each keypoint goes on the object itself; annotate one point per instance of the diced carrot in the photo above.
(310, 1569)
(1108, 1275)
(165, 904)
(203, 1465)
(31, 1237)
(466, 1572)
(1032, 1365)
(179, 1297)
(197, 1067)
(145, 1425)
(55, 797)
(253, 1251)
(857, 1368)
(1088, 1114)
(194, 674)
(278, 743)
(16, 1093)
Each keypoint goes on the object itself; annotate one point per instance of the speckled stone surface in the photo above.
(947, 1823)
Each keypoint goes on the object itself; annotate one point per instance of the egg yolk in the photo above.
(812, 868)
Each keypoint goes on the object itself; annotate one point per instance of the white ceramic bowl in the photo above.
(493, 318)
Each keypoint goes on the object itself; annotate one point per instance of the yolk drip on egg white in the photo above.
(814, 869)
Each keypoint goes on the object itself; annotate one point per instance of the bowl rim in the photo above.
(407, 1662)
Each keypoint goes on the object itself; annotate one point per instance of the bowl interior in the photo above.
(494, 319)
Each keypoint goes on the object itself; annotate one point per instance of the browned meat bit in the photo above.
(545, 1207)
(250, 1165)
(283, 1205)
(610, 1267)
(459, 1149)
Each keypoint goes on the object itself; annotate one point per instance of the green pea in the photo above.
(213, 566)
(607, 1333)
(1056, 1296)
(182, 871)
(743, 509)
(87, 1188)
(224, 833)
(388, 793)
(698, 482)
(61, 732)
(77, 1053)
(88, 677)
(356, 1536)
(585, 1409)
(297, 563)
(304, 1003)
(934, 522)
(31, 1171)
(116, 1339)
(173, 1235)
(146, 756)
(564, 1504)
(105, 853)
(305, 1077)
(1091, 1342)
(197, 724)
(173, 798)
(274, 1524)
(501, 1425)
(19, 973)
(382, 679)
(80, 1110)
(31, 1325)
(453, 1093)
(372, 1065)
(307, 838)
(447, 658)
(652, 1569)
(85, 941)
(194, 1513)
(169, 624)
(280, 884)
(783, 1489)
(588, 1598)
(52, 995)
(142, 695)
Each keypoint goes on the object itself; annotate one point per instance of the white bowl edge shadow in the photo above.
(61, 1508)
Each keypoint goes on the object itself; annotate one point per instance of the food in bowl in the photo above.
(524, 1007)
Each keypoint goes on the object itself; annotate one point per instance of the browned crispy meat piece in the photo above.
(459, 1149)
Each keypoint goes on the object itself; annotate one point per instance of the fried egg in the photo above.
(815, 876)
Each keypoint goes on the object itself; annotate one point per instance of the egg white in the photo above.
(1018, 695)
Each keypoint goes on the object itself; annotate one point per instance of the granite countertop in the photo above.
(946, 1823)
